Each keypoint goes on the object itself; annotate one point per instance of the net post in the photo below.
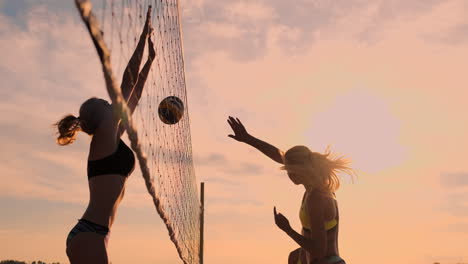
(202, 218)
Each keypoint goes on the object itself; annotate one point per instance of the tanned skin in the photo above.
(107, 191)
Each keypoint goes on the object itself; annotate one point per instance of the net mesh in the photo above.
(166, 147)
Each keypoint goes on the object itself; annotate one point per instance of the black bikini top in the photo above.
(121, 162)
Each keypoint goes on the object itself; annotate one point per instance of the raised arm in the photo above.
(143, 75)
(131, 74)
(241, 135)
(133, 80)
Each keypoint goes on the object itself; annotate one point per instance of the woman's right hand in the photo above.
(240, 133)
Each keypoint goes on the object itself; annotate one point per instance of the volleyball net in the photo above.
(164, 151)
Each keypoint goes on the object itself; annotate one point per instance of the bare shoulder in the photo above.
(322, 202)
(315, 200)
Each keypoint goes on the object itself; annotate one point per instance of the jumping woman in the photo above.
(318, 213)
(110, 160)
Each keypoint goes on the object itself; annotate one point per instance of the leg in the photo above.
(130, 75)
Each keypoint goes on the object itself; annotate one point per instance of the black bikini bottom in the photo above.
(84, 225)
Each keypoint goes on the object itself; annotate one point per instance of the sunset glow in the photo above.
(383, 83)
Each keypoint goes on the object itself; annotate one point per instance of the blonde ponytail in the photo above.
(330, 165)
(320, 169)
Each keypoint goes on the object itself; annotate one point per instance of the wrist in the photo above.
(248, 139)
(288, 230)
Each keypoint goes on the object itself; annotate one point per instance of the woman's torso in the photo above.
(106, 189)
(331, 213)
(106, 193)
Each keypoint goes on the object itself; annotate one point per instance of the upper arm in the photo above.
(318, 234)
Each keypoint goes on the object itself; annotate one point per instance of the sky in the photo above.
(382, 82)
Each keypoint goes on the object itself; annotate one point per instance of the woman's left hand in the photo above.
(281, 221)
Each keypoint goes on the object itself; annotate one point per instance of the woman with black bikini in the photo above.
(110, 160)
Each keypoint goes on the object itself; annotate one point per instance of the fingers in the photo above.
(148, 13)
(240, 123)
(148, 16)
(275, 214)
(232, 119)
(235, 122)
(231, 124)
(234, 125)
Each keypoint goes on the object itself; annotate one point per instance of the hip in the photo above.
(84, 226)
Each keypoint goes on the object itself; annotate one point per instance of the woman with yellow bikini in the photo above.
(318, 213)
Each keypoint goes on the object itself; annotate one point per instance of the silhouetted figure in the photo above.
(319, 214)
(110, 160)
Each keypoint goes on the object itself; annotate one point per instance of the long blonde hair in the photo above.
(318, 170)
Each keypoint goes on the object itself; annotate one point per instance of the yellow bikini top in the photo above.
(304, 217)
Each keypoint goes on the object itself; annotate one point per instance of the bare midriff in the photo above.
(106, 193)
(332, 241)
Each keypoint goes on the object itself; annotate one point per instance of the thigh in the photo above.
(87, 248)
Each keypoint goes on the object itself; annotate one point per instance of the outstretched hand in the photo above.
(149, 32)
(281, 221)
(148, 14)
(147, 29)
(240, 133)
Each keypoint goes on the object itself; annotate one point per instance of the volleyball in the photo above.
(171, 110)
